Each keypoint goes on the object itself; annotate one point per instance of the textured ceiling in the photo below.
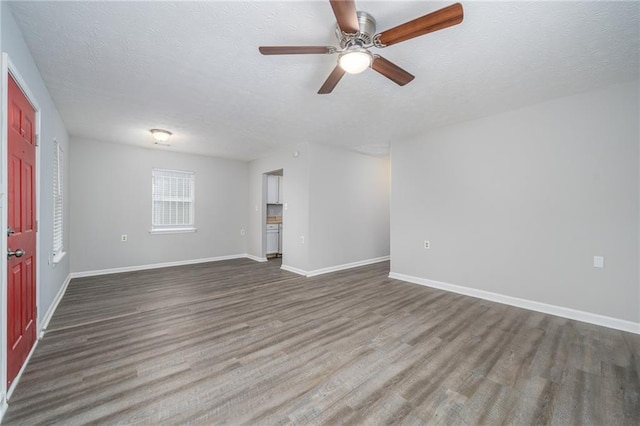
(117, 69)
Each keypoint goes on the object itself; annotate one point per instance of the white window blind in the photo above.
(57, 200)
(173, 200)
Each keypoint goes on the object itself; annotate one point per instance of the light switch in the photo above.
(598, 261)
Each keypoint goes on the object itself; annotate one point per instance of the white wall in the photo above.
(51, 277)
(336, 199)
(519, 203)
(295, 217)
(349, 207)
(111, 196)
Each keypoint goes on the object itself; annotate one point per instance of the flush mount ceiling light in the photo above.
(160, 135)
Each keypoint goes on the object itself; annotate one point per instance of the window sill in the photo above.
(173, 230)
(56, 258)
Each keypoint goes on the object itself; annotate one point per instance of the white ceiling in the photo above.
(117, 69)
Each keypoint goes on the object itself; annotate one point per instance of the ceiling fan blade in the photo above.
(332, 81)
(440, 19)
(346, 15)
(391, 71)
(295, 50)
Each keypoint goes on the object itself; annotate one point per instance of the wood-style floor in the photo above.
(241, 342)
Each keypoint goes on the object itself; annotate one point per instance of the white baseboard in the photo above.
(47, 317)
(334, 268)
(24, 367)
(155, 266)
(256, 258)
(294, 270)
(347, 266)
(39, 334)
(602, 320)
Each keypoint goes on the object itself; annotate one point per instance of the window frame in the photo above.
(168, 228)
(57, 240)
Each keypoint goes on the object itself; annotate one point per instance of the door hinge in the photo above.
(37, 140)
(36, 226)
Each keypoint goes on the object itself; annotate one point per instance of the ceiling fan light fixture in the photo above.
(160, 135)
(355, 61)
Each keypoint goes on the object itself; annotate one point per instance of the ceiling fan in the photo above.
(355, 32)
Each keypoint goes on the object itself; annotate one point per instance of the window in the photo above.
(57, 251)
(172, 201)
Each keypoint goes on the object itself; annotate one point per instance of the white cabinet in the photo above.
(274, 189)
(273, 239)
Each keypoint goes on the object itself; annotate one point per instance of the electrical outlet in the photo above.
(302, 239)
(123, 238)
(427, 244)
(242, 232)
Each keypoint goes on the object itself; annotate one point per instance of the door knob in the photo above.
(17, 253)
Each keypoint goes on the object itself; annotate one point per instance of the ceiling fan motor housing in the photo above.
(364, 37)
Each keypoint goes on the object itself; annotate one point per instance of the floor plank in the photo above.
(241, 342)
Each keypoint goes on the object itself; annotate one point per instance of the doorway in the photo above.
(274, 223)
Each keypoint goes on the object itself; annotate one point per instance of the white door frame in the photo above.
(8, 68)
(263, 219)
(264, 213)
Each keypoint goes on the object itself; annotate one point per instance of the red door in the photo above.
(21, 240)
